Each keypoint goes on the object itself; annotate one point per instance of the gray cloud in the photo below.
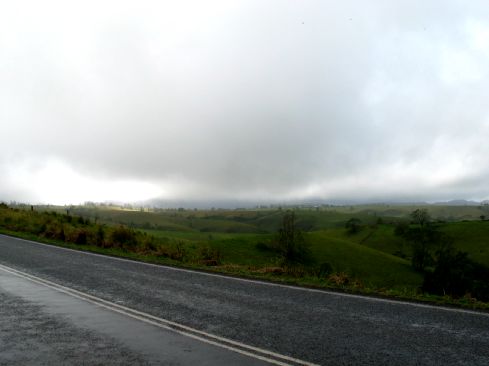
(245, 100)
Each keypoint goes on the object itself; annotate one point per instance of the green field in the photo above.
(373, 260)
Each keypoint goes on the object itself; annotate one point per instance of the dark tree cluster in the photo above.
(456, 275)
(446, 271)
(353, 225)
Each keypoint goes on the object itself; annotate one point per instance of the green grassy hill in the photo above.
(372, 266)
(238, 239)
(471, 237)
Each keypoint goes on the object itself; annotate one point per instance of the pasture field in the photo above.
(372, 260)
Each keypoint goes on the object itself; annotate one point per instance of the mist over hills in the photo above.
(229, 204)
(248, 204)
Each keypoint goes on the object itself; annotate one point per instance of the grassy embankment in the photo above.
(372, 261)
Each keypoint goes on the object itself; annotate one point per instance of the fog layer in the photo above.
(244, 100)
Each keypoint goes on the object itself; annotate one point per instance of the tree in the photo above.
(424, 238)
(450, 275)
(353, 225)
(420, 217)
(290, 243)
(456, 275)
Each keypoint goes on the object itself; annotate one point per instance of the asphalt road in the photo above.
(41, 325)
(316, 326)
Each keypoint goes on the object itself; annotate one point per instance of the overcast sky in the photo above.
(244, 100)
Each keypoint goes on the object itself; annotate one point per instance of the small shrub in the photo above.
(162, 251)
(339, 279)
(50, 232)
(40, 229)
(54, 231)
(296, 270)
(275, 270)
(180, 252)
(210, 256)
(325, 269)
(123, 237)
(61, 235)
(177, 253)
(81, 237)
(100, 236)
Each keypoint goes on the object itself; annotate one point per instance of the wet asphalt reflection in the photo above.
(40, 325)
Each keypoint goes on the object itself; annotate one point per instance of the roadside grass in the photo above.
(375, 268)
(252, 272)
(361, 263)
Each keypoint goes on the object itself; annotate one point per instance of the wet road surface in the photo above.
(42, 326)
(316, 326)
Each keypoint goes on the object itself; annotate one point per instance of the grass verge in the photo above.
(339, 282)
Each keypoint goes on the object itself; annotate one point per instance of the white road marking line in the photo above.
(264, 283)
(164, 323)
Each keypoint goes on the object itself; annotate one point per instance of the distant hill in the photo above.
(458, 203)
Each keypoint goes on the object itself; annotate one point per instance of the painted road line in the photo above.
(264, 283)
(244, 349)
